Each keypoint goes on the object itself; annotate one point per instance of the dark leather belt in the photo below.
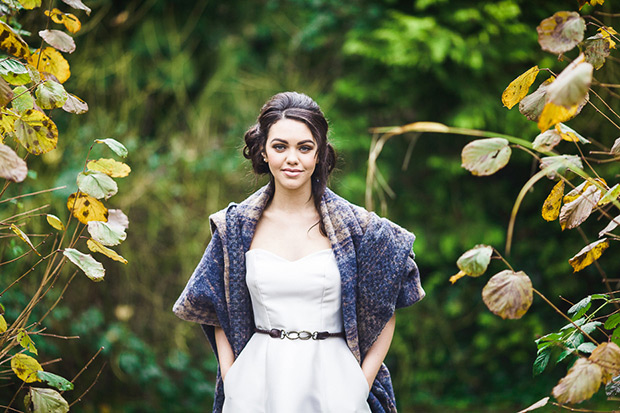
(301, 335)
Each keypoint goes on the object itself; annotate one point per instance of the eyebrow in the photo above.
(298, 143)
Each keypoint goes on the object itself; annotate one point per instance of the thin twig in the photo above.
(89, 387)
(87, 364)
(34, 193)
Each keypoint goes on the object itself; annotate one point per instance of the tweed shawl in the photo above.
(377, 270)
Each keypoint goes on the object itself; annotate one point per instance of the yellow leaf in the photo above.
(26, 367)
(588, 254)
(518, 88)
(55, 222)
(607, 32)
(3, 325)
(508, 294)
(553, 114)
(86, 208)
(580, 383)
(71, 22)
(36, 132)
(12, 43)
(24, 238)
(7, 121)
(51, 61)
(110, 167)
(30, 4)
(26, 342)
(551, 207)
(457, 277)
(96, 246)
(607, 356)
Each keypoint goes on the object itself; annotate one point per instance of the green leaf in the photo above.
(106, 234)
(96, 184)
(485, 156)
(115, 145)
(51, 95)
(591, 326)
(612, 321)
(560, 165)
(542, 359)
(475, 261)
(564, 354)
(23, 100)
(581, 305)
(92, 268)
(615, 336)
(55, 380)
(39, 400)
(596, 49)
(14, 72)
(586, 347)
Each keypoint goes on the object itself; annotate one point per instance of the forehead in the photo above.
(290, 130)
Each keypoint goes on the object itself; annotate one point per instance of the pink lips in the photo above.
(292, 172)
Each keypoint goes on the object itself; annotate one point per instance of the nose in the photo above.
(291, 157)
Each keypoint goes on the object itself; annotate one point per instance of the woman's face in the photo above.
(291, 153)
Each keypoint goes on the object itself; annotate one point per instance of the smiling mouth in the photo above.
(292, 172)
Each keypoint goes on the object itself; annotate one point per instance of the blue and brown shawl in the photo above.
(376, 265)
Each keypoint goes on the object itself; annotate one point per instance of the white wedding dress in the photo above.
(273, 375)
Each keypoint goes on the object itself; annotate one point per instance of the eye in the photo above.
(306, 148)
(278, 147)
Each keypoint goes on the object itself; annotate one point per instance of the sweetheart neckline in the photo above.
(286, 259)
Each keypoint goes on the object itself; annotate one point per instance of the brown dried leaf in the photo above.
(581, 382)
(610, 227)
(561, 32)
(547, 140)
(59, 40)
(12, 167)
(572, 84)
(575, 212)
(607, 356)
(533, 104)
(508, 294)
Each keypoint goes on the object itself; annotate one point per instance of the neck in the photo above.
(292, 200)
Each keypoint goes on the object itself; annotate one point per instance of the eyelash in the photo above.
(279, 147)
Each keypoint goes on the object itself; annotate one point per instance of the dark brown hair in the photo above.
(299, 107)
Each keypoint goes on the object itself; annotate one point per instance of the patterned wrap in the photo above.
(376, 265)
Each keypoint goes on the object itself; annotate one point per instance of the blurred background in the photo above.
(178, 82)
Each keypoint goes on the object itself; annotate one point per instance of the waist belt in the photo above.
(301, 335)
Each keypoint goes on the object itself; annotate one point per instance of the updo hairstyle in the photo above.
(299, 107)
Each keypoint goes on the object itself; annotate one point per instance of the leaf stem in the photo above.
(564, 315)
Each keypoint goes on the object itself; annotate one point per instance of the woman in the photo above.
(297, 288)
